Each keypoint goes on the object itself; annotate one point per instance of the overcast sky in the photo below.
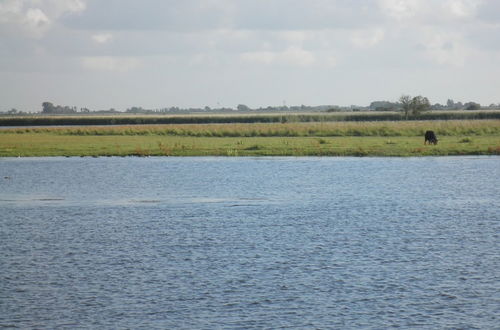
(194, 53)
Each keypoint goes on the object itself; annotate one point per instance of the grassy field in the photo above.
(478, 137)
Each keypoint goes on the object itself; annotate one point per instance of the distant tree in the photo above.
(472, 106)
(383, 106)
(438, 106)
(414, 106)
(450, 104)
(47, 107)
(135, 110)
(12, 111)
(405, 101)
(242, 107)
(419, 104)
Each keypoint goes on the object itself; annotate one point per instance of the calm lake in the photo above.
(204, 243)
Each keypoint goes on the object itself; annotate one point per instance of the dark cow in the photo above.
(430, 137)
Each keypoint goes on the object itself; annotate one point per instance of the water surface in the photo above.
(193, 243)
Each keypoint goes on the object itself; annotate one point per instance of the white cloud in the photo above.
(73, 5)
(262, 57)
(292, 56)
(9, 9)
(331, 61)
(110, 63)
(35, 17)
(205, 60)
(367, 38)
(296, 36)
(102, 38)
(58, 8)
(297, 56)
(447, 48)
(433, 12)
(400, 9)
(462, 8)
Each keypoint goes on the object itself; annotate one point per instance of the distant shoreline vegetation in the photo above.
(406, 104)
(144, 119)
(383, 129)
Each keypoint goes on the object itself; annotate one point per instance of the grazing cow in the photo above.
(430, 137)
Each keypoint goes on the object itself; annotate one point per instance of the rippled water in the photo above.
(250, 243)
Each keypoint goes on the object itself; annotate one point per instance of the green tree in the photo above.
(242, 107)
(405, 101)
(419, 104)
(472, 106)
(450, 103)
(47, 107)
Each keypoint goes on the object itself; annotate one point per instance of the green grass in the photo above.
(45, 144)
(458, 137)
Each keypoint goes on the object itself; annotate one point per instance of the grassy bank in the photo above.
(291, 139)
(126, 119)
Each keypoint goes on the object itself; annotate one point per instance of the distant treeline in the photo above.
(450, 105)
(49, 108)
(224, 119)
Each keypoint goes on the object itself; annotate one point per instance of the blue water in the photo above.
(204, 243)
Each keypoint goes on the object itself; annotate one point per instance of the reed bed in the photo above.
(126, 119)
(300, 129)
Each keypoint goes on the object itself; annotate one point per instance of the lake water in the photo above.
(204, 243)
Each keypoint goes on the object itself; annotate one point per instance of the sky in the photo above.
(104, 54)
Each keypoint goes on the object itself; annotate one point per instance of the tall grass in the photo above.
(310, 129)
(239, 118)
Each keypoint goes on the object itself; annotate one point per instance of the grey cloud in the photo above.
(192, 15)
(41, 63)
(490, 11)
(185, 15)
(153, 43)
(12, 46)
(486, 38)
(294, 15)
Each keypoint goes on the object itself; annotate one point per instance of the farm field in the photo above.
(456, 137)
